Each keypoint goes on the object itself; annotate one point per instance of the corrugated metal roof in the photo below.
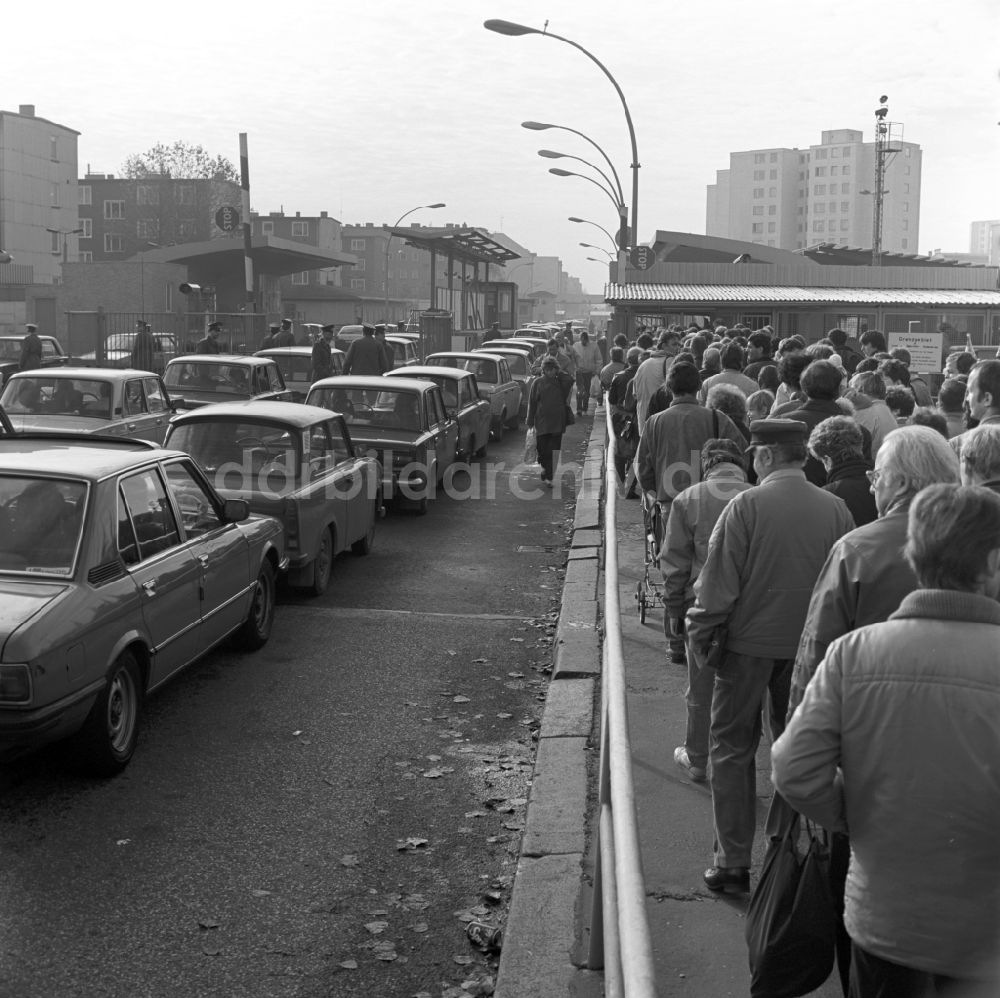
(626, 293)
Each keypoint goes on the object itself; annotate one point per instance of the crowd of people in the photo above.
(831, 568)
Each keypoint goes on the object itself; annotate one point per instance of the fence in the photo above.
(619, 934)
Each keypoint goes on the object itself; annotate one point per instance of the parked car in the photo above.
(404, 421)
(6, 427)
(118, 351)
(295, 364)
(293, 462)
(347, 334)
(404, 351)
(89, 400)
(53, 355)
(538, 343)
(462, 402)
(201, 379)
(495, 382)
(519, 362)
(119, 566)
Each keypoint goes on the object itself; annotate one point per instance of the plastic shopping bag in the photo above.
(530, 447)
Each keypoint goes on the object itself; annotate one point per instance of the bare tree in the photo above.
(180, 161)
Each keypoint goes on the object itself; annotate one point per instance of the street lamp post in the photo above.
(511, 28)
(388, 238)
(64, 233)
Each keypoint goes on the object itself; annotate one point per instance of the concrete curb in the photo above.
(543, 937)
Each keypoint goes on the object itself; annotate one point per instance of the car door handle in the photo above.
(203, 560)
(131, 426)
(150, 587)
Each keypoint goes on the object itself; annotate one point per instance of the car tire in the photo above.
(108, 737)
(421, 508)
(322, 565)
(498, 432)
(363, 546)
(481, 452)
(515, 421)
(256, 629)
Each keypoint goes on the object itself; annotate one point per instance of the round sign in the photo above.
(228, 219)
(642, 257)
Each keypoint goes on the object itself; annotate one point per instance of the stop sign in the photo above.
(228, 219)
(642, 257)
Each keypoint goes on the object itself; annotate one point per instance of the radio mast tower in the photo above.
(884, 151)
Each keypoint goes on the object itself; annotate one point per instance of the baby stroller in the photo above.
(649, 593)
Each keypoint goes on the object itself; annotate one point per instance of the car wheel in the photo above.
(256, 629)
(322, 565)
(109, 735)
(481, 452)
(498, 432)
(515, 422)
(364, 545)
(421, 507)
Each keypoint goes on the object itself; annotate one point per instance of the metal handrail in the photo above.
(619, 939)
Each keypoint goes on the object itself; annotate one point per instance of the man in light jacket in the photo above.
(763, 559)
(896, 741)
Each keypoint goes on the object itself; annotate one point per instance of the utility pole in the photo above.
(884, 151)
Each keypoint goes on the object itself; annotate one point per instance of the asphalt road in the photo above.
(322, 817)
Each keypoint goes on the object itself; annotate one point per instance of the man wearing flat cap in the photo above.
(751, 598)
(285, 337)
(272, 335)
(31, 348)
(364, 355)
(209, 343)
(322, 356)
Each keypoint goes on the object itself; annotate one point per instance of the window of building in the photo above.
(267, 228)
(847, 151)
(820, 154)
(906, 206)
(845, 205)
(819, 171)
(772, 192)
(302, 278)
(758, 174)
(818, 226)
(845, 188)
(770, 242)
(114, 209)
(774, 157)
(907, 151)
(906, 188)
(54, 195)
(357, 284)
(832, 207)
(773, 175)
(54, 149)
(758, 192)
(147, 194)
(819, 188)
(758, 157)
(185, 228)
(758, 209)
(802, 193)
(834, 153)
(905, 243)
(846, 170)
(833, 170)
(803, 175)
(87, 225)
(799, 228)
(85, 256)
(771, 227)
(54, 245)
(185, 194)
(414, 274)
(757, 227)
(906, 224)
(820, 208)
(357, 244)
(112, 242)
(772, 209)
(802, 158)
(300, 228)
(84, 193)
(845, 224)
(147, 228)
(360, 265)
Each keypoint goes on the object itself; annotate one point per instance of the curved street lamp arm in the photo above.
(586, 162)
(611, 166)
(569, 173)
(573, 218)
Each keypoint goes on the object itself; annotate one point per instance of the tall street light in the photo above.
(560, 172)
(600, 249)
(513, 29)
(64, 233)
(586, 221)
(552, 154)
(439, 204)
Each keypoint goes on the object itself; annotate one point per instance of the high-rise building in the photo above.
(984, 240)
(794, 198)
(37, 192)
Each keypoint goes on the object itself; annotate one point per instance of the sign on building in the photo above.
(925, 349)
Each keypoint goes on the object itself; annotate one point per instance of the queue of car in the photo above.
(146, 519)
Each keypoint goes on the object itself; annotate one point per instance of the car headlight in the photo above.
(15, 684)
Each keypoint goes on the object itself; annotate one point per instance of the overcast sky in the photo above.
(368, 109)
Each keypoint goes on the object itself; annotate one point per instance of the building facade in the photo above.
(38, 193)
(984, 240)
(120, 217)
(794, 198)
(314, 230)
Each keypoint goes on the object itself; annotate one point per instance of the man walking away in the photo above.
(31, 349)
(209, 343)
(588, 363)
(364, 355)
(751, 597)
(547, 401)
(896, 740)
(285, 336)
(322, 357)
(143, 355)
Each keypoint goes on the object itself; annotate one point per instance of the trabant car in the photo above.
(519, 360)
(119, 566)
(495, 382)
(404, 421)
(404, 352)
(203, 378)
(293, 462)
(295, 364)
(89, 400)
(462, 402)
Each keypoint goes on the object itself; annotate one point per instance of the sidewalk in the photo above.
(698, 940)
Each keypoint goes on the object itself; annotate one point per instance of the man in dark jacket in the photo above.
(837, 444)
(547, 402)
(209, 343)
(285, 337)
(624, 421)
(31, 349)
(272, 335)
(365, 356)
(322, 357)
(143, 348)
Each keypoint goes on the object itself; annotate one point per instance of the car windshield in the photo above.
(51, 396)
(40, 524)
(209, 376)
(293, 367)
(387, 410)
(517, 362)
(241, 454)
(484, 370)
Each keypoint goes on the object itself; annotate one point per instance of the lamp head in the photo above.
(440, 204)
(509, 28)
(573, 218)
(550, 154)
(536, 126)
(559, 172)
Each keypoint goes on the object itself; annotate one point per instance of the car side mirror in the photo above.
(235, 510)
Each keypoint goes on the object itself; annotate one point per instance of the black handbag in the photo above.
(791, 922)
(570, 417)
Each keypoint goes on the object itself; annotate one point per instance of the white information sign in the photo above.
(925, 350)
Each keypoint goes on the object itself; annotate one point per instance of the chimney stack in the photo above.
(28, 110)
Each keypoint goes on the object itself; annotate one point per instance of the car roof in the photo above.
(294, 413)
(370, 381)
(513, 348)
(284, 351)
(427, 369)
(466, 354)
(219, 358)
(396, 338)
(75, 456)
(84, 373)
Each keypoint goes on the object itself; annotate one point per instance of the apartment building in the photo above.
(38, 169)
(315, 230)
(984, 240)
(794, 198)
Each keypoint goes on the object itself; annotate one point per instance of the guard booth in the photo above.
(435, 332)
